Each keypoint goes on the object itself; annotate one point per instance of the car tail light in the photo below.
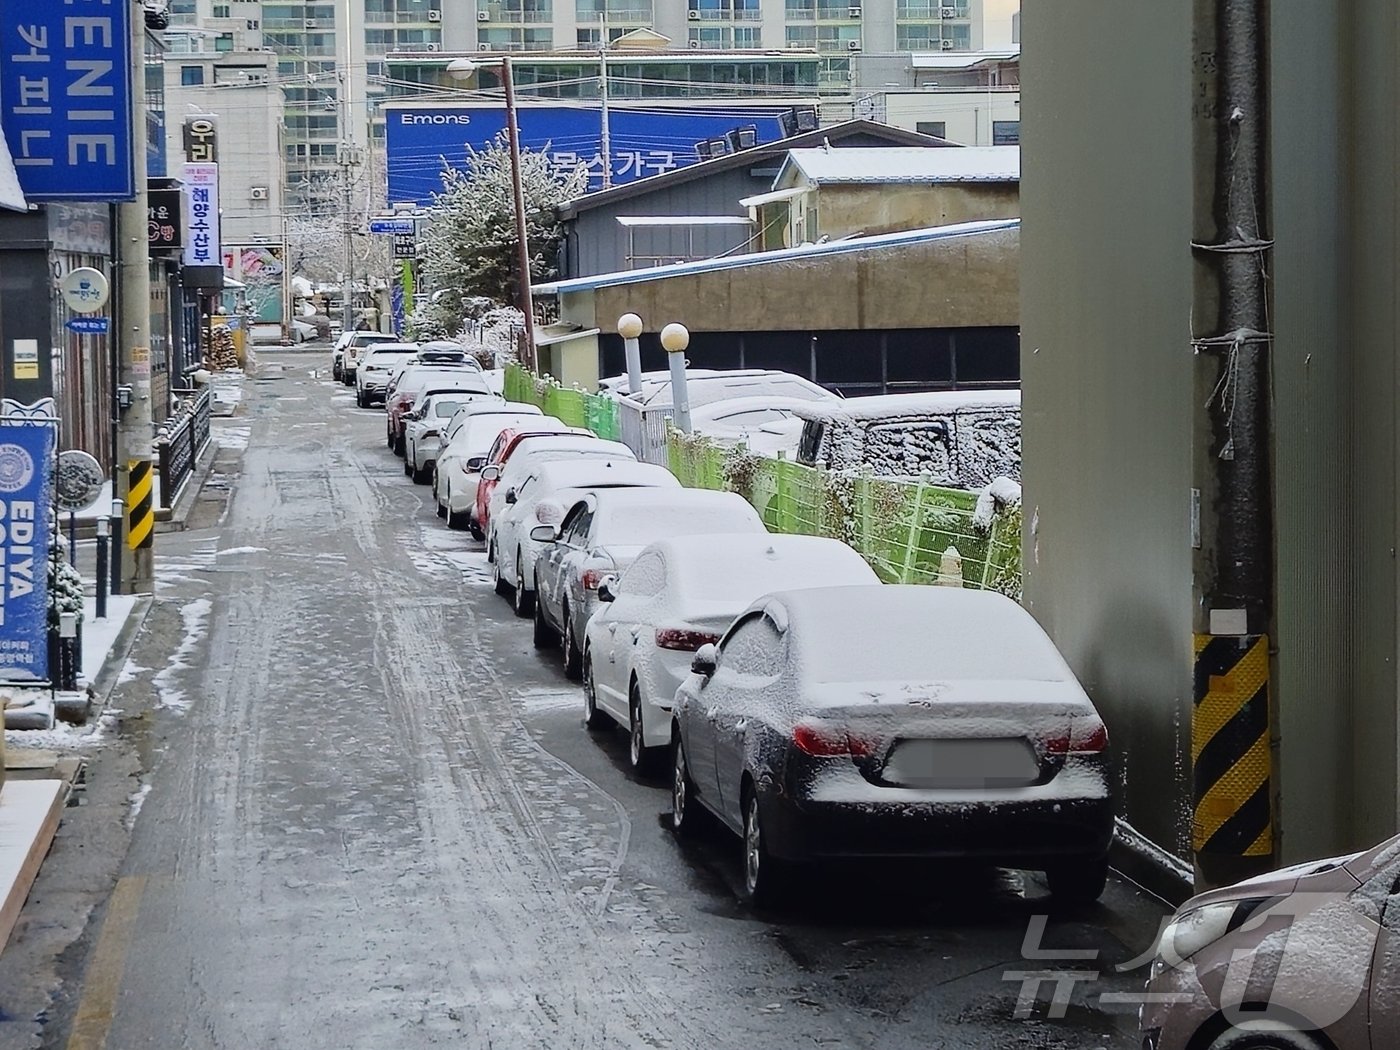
(682, 639)
(591, 578)
(1087, 736)
(825, 740)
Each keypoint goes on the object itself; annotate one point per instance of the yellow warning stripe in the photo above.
(140, 503)
(1223, 799)
(1228, 693)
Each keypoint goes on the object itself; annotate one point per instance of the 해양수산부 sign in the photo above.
(26, 489)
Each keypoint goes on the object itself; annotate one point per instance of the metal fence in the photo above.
(181, 443)
(909, 531)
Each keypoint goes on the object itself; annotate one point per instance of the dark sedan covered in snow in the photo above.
(889, 721)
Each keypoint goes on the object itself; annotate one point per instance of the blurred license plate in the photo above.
(962, 763)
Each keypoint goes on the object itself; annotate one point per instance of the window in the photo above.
(191, 74)
(754, 647)
(937, 128)
(516, 39)
(576, 526)
(1006, 133)
(918, 36)
(220, 10)
(617, 10)
(645, 578)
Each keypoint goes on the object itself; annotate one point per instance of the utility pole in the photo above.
(132, 476)
(527, 301)
(603, 96)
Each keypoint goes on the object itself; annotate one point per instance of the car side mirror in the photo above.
(475, 463)
(510, 496)
(607, 589)
(705, 660)
(491, 473)
(544, 534)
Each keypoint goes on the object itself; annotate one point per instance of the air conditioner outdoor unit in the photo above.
(694, 16)
(947, 12)
(694, 45)
(852, 45)
(852, 12)
(483, 16)
(946, 45)
(311, 23)
(483, 47)
(258, 193)
(434, 16)
(431, 47)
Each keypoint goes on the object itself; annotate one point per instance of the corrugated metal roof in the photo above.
(11, 196)
(899, 164)
(959, 59)
(810, 251)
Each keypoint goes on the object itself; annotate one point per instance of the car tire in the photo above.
(476, 532)
(398, 445)
(421, 475)
(573, 659)
(686, 812)
(641, 758)
(1266, 1034)
(544, 638)
(1078, 882)
(388, 436)
(502, 588)
(764, 877)
(454, 520)
(335, 373)
(407, 467)
(593, 719)
(523, 601)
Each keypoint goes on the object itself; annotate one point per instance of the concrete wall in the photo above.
(844, 210)
(962, 282)
(1107, 374)
(967, 115)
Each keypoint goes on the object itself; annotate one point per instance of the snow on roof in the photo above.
(11, 195)
(611, 499)
(894, 406)
(587, 472)
(895, 164)
(684, 220)
(738, 568)
(811, 251)
(959, 60)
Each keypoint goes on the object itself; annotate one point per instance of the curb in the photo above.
(174, 519)
(1145, 865)
(100, 690)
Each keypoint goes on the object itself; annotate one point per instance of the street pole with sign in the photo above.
(132, 481)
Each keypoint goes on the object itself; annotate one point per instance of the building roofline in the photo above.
(730, 161)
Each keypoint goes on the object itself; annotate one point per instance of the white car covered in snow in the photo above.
(469, 436)
(742, 419)
(541, 496)
(706, 387)
(423, 430)
(377, 363)
(678, 595)
(958, 438)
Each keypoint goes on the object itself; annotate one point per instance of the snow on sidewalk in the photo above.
(99, 636)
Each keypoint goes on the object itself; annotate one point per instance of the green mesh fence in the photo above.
(910, 532)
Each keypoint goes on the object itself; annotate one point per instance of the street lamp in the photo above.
(674, 340)
(463, 69)
(629, 326)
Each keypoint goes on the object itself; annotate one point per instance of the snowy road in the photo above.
(374, 821)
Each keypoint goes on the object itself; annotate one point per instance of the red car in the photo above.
(415, 383)
(504, 447)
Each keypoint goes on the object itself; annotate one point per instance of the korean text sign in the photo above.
(202, 215)
(26, 474)
(66, 98)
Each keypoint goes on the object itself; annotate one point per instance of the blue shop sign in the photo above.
(66, 98)
(26, 490)
(88, 325)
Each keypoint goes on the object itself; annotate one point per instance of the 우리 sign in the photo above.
(66, 98)
(26, 472)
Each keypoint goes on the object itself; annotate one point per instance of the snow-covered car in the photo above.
(705, 388)
(957, 438)
(1302, 958)
(601, 535)
(621, 385)
(736, 419)
(376, 364)
(270, 332)
(417, 379)
(423, 429)
(468, 439)
(676, 596)
(544, 491)
(894, 721)
(349, 348)
(508, 457)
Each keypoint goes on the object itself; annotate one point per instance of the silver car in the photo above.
(601, 535)
(377, 363)
(423, 432)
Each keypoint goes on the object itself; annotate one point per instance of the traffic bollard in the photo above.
(102, 527)
(118, 511)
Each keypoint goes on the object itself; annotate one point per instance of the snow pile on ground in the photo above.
(996, 497)
(232, 437)
(195, 615)
(135, 802)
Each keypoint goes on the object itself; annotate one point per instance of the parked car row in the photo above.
(785, 692)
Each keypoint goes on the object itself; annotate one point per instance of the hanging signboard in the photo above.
(66, 98)
(405, 246)
(163, 220)
(26, 476)
(201, 140)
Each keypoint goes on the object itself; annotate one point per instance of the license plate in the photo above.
(962, 763)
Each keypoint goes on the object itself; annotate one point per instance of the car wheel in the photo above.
(398, 445)
(639, 756)
(389, 436)
(545, 638)
(592, 718)
(407, 467)
(685, 811)
(573, 659)
(502, 588)
(1266, 1034)
(454, 520)
(763, 875)
(437, 500)
(524, 602)
(1079, 881)
(335, 373)
(477, 534)
(421, 475)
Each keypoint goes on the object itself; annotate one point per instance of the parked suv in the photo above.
(349, 348)
(376, 365)
(961, 439)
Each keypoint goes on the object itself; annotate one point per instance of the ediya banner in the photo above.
(26, 489)
(202, 215)
(66, 98)
(642, 141)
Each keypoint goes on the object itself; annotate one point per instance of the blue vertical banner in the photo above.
(396, 306)
(27, 451)
(66, 98)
